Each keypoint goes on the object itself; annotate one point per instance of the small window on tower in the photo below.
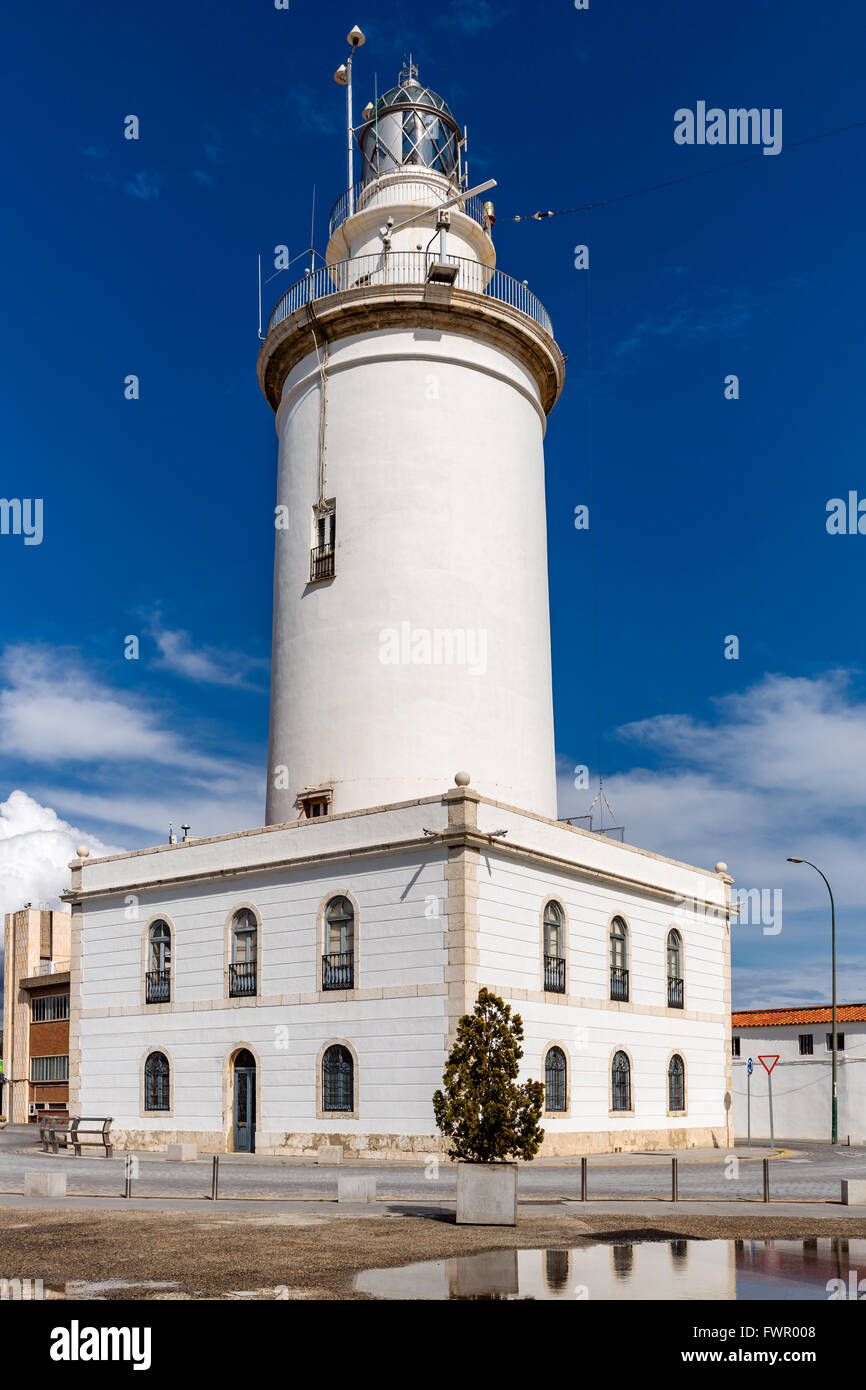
(324, 542)
(315, 803)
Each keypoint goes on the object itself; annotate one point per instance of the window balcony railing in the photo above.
(408, 268)
(619, 983)
(338, 970)
(242, 978)
(675, 992)
(158, 986)
(321, 562)
(554, 974)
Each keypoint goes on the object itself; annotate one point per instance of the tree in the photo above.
(484, 1113)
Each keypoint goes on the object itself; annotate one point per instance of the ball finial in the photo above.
(721, 867)
(461, 779)
(82, 851)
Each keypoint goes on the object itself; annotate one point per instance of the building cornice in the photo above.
(453, 839)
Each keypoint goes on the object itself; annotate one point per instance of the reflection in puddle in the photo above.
(818, 1268)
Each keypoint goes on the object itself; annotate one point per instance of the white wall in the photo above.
(802, 1086)
(435, 460)
(396, 1019)
(585, 1022)
(399, 1041)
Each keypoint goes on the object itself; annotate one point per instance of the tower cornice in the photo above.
(375, 308)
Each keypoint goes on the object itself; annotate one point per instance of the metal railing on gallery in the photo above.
(408, 268)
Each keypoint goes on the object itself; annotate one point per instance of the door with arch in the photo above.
(244, 1102)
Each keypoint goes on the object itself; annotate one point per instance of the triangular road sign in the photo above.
(768, 1062)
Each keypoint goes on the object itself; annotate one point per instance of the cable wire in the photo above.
(684, 178)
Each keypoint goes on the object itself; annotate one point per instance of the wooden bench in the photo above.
(72, 1135)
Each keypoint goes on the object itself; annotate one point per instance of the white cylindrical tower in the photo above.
(411, 382)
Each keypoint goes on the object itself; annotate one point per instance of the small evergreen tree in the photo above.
(482, 1111)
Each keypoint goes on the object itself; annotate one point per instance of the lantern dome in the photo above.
(411, 126)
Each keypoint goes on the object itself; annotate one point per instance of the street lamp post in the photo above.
(792, 859)
(343, 76)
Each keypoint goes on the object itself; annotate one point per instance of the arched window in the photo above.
(676, 1083)
(675, 970)
(554, 949)
(244, 962)
(158, 982)
(621, 1082)
(554, 1079)
(157, 1076)
(619, 960)
(338, 1079)
(338, 963)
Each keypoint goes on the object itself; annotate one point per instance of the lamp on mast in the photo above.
(343, 76)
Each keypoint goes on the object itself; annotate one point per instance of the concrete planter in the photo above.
(3, 1124)
(486, 1194)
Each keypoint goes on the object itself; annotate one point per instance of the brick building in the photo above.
(36, 1014)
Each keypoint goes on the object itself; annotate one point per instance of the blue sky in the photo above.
(708, 515)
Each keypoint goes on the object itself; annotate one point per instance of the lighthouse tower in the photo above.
(411, 382)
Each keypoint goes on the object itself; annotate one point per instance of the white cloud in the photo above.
(111, 757)
(774, 771)
(35, 849)
(777, 771)
(52, 710)
(209, 665)
(210, 809)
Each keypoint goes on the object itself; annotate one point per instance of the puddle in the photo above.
(822, 1268)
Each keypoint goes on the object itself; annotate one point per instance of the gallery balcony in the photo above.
(408, 268)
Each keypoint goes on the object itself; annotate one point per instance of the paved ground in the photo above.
(807, 1174)
(170, 1242)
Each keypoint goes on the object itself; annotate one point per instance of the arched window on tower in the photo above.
(554, 949)
(555, 1077)
(675, 970)
(157, 1079)
(619, 960)
(338, 962)
(338, 1079)
(621, 1082)
(676, 1083)
(243, 967)
(158, 975)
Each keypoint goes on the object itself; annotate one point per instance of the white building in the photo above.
(801, 1038)
(301, 983)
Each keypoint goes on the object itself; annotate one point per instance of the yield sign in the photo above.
(768, 1062)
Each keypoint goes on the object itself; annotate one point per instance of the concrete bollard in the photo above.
(853, 1192)
(356, 1190)
(44, 1184)
(183, 1153)
(330, 1153)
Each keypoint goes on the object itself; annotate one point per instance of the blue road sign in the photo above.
(750, 1067)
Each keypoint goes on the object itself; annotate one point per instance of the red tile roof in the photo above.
(819, 1013)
